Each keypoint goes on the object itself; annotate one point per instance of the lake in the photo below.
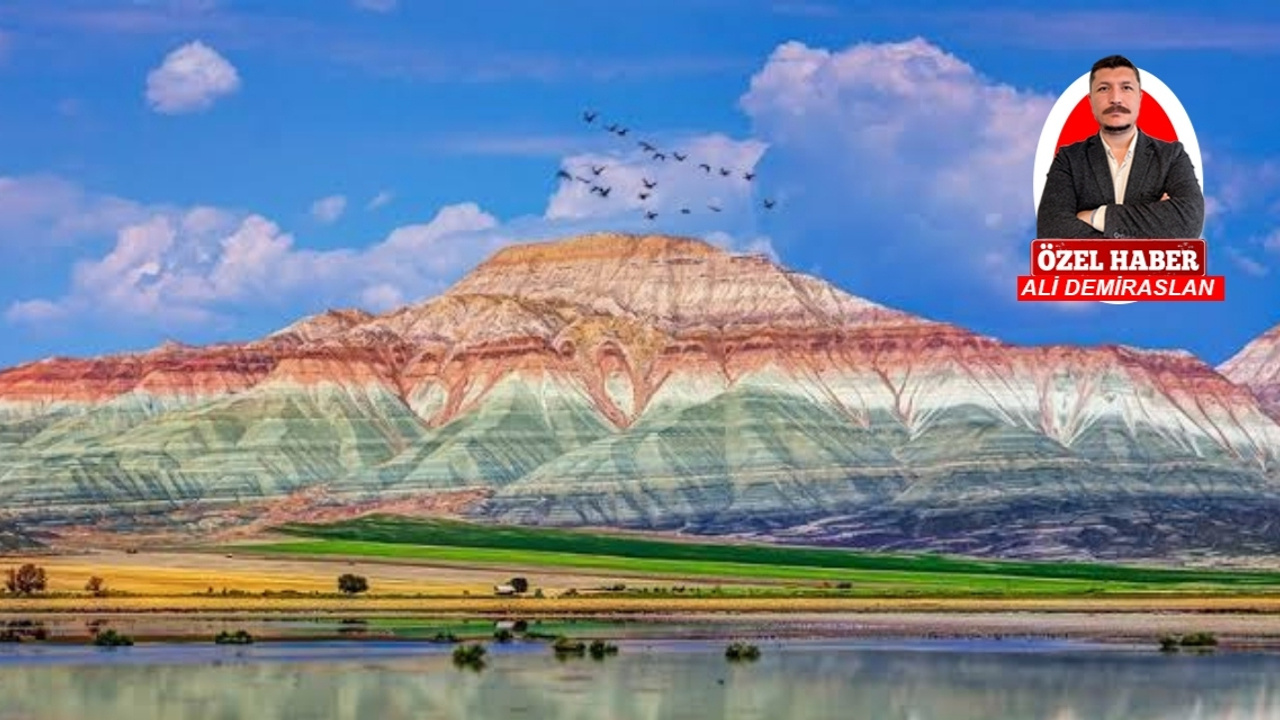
(647, 680)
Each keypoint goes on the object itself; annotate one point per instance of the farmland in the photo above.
(867, 574)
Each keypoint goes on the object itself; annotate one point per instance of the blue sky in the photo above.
(209, 170)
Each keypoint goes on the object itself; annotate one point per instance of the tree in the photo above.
(352, 584)
(26, 580)
(97, 586)
(519, 584)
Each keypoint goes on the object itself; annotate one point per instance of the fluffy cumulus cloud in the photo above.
(901, 151)
(710, 182)
(328, 209)
(191, 79)
(47, 209)
(176, 268)
(893, 158)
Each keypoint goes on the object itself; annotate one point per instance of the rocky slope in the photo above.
(1257, 367)
(661, 383)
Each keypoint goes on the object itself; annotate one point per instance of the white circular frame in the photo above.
(1067, 103)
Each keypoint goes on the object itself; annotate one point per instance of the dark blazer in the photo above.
(1080, 179)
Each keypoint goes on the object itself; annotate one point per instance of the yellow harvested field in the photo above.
(183, 573)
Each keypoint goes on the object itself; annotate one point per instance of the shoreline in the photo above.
(639, 605)
(1233, 630)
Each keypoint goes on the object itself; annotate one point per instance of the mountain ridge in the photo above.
(654, 382)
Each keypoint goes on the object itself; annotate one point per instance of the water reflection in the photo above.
(666, 681)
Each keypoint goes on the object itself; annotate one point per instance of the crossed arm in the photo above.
(1058, 215)
(1178, 214)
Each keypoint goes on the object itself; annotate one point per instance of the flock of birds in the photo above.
(593, 175)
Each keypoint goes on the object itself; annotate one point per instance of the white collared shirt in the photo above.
(1119, 176)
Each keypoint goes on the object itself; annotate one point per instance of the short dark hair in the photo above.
(1113, 61)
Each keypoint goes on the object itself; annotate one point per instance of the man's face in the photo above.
(1115, 98)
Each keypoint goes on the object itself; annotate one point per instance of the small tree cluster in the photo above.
(97, 586)
(352, 584)
(26, 580)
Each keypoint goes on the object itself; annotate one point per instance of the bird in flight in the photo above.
(713, 208)
(646, 146)
(684, 211)
(749, 176)
(612, 128)
(678, 156)
(601, 191)
(562, 175)
(705, 167)
(590, 116)
(769, 203)
(659, 156)
(725, 172)
(597, 170)
(649, 184)
(651, 214)
(644, 196)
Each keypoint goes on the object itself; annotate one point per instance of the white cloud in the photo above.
(380, 6)
(1271, 241)
(760, 245)
(177, 268)
(898, 159)
(1247, 264)
(35, 312)
(382, 297)
(382, 198)
(190, 79)
(676, 185)
(41, 209)
(900, 150)
(328, 209)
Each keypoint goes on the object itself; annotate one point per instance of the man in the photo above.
(1120, 183)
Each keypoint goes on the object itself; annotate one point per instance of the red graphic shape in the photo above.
(1152, 120)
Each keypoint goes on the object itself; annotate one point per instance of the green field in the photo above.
(868, 573)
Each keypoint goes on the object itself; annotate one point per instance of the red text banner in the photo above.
(1132, 258)
(1127, 288)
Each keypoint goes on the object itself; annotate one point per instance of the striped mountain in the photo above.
(657, 383)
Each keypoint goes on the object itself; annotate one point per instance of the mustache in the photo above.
(1117, 108)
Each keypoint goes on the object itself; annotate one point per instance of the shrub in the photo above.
(352, 584)
(469, 656)
(111, 638)
(97, 586)
(239, 637)
(519, 584)
(1200, 639)
(600, 648)
(26, 580)
(742, 651)
(565, 646)
(503, 635)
